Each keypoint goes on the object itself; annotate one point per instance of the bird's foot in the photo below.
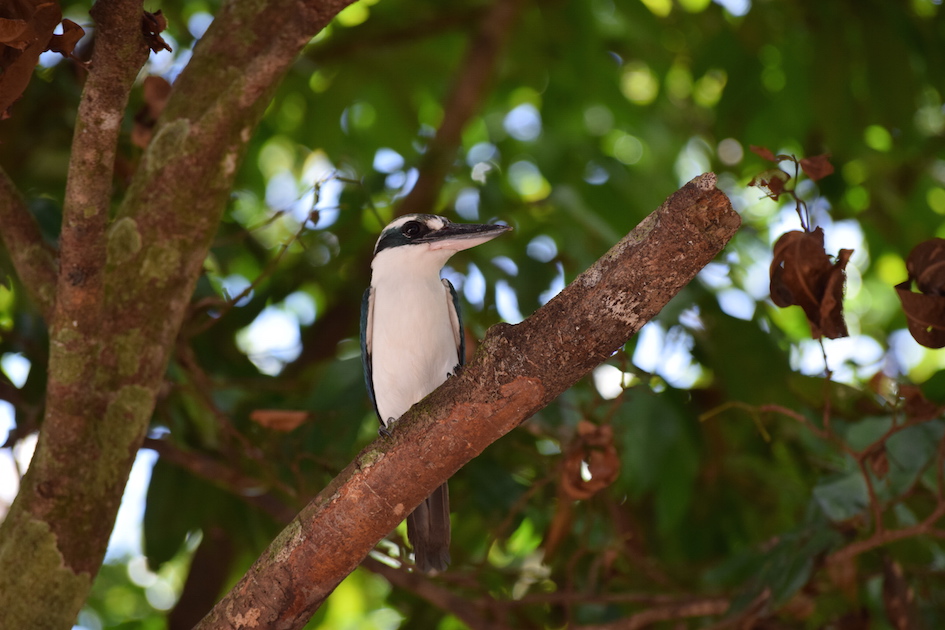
(383, 430)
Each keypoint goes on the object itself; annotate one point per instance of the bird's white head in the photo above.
(430, 240)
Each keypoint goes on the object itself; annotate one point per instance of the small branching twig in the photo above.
(227, 304)
(775, 181)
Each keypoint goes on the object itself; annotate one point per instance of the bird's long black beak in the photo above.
(460, 236)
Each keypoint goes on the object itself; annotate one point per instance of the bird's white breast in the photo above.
(413, 342)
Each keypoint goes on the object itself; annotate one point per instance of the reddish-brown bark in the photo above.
(125, 284)
(518, 370)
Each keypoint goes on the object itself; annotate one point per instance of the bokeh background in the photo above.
(746, 478)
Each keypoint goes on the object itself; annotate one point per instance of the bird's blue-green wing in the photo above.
(367, 324)
(456, 318)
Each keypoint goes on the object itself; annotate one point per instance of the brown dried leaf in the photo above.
(832, 324)
(763, 152)
(916, 405)
(594, 447)
(152, 25)
(64, 44)
(925, 310)
(772, 181)
(14, 33)
(817, 167)
(926, 265)
(279, 419)
(19, 55)
(925, 315)
(801, 274)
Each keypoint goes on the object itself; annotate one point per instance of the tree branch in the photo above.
(366, 37)
(118, 55)
(76, 327)
(680, 610)
(472, 84)
(884, 537)
(226, 477)
(154, 252)
(33, 259)
(517, 371)
(465, 610)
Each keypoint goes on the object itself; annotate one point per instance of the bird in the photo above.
(412, 340)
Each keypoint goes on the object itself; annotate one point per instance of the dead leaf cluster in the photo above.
(925, 308)
(283, 420)
(593, 447)
(590, 464)
(803, 274)
(774, 180)
(152, 25)
(26, 31)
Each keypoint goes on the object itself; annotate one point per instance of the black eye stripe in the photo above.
(413, 229)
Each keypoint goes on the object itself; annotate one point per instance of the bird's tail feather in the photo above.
(428, 530)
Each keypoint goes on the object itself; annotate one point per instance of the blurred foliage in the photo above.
(744, 474)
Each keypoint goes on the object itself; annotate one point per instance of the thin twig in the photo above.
(472, 84)
(367, 38)
(225, 306)
(827, 381)
(880, 539)
(710, 607)
(753, 412)
(202, 389)
(876, 507)
(221, 475)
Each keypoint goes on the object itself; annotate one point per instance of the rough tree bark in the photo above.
(517, 370)
(115, 299)
(116, 302)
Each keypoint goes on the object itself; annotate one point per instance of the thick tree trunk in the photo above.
(122, 288)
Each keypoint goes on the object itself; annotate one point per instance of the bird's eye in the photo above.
(412, 229)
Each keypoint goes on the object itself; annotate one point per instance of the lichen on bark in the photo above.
(30, 545)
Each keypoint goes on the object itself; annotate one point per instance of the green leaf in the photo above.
(861, 433)
(842, 497)
(786, 567)
(910, 452)
(177, 504)
(934, 388)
